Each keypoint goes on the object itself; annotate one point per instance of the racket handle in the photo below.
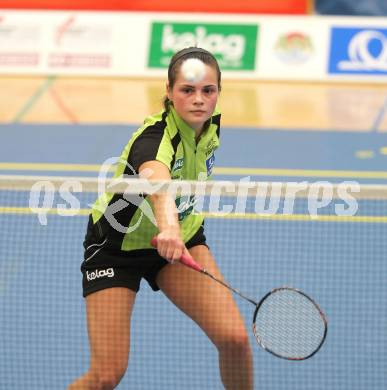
(191, 263)
(188, 261)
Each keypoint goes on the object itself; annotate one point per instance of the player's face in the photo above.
(195, 101)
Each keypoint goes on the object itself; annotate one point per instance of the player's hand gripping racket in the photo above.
(286, 322)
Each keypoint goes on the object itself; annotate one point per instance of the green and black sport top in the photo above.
(127, 222)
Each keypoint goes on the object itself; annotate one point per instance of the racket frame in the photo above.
(321, 313)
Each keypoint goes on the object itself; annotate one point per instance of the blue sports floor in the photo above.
(43, 338)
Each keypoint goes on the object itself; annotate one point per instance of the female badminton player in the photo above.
(176, 144)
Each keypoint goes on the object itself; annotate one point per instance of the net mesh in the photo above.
(325, 240)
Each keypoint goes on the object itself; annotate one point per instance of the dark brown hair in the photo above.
(182, 55)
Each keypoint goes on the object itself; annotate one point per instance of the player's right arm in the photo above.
(169, 242)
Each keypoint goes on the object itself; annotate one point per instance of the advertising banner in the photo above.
(141, 44)
(20, 43)
(234, 45)
(358, 50)
(77, 43)
(295, 49)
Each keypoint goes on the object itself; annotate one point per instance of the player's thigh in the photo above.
(108, 321)
(208, 303)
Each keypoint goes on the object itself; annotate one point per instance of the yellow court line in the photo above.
(50, 167)
(302, 217)
(232, 171)
(27, 210)
(247, 216)
(300, 172)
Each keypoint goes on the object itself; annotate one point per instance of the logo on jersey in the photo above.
(358, 51)
(178, 164)
(210, 162)
(185, 206)
(211, 146)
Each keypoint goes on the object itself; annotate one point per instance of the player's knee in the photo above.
(236, 342)
(108, 378)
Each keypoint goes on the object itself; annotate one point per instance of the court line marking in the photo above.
(232, 171)
(379, 116)
(70, 115)
(42, 210)
(300, 172)
(33, 99)
(248, 216)
(302, 217)
(50, 167)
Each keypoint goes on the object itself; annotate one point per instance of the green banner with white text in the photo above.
(233, 45)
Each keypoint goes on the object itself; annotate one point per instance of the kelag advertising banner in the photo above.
(234, 45)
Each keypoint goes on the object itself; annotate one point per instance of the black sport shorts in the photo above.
(104, 267)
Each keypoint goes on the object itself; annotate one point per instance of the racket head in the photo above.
(289, 324)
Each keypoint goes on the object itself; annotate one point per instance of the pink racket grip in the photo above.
(185, 259)
(191, 263)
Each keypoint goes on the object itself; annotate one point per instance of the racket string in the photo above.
(288, 324)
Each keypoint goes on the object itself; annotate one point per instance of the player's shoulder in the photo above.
(156, 122)
(216, 114)
(152, 125)
(215, 121)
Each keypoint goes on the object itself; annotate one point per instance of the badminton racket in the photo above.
(287, 322)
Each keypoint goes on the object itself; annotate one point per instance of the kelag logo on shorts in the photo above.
(358, 51)
(234, 45)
